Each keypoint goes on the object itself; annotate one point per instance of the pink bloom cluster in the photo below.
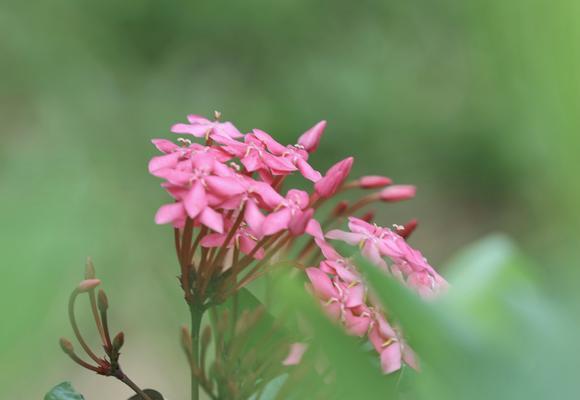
(229, 188)
(337, 283)
(212, 183)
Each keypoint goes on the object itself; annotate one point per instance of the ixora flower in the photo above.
(230, 188)
(234, 219)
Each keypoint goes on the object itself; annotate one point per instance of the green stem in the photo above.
(196, 316)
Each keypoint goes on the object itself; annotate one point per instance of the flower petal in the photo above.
(276, 222)
(391, 358)
(212, 219)
(169, 213)
(195, 200)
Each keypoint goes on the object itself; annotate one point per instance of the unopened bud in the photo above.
(368, 217)
(406, 230)
(89, 269)
(311, 138)
(102, 301)
(88, 284)
(217, 115)
(118, 341)
(373, 181)
(340, 207)
(328, 185)
(397, 193)
(66, 346)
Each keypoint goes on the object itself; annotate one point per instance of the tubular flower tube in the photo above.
(233, 218)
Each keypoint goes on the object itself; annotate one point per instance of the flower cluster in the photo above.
(232, 218)
(337, 283)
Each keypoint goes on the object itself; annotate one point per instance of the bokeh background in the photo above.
(477, 103)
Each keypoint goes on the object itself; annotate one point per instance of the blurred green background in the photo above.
(477, 103)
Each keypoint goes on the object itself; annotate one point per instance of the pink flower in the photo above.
(289, 209)
(255, 157)
(244, 238)
(398, 193)
(197, 184)
(334, 178)
(202, 127)
(378, 242)
(392, 348)
(311, 138)
(297, 156)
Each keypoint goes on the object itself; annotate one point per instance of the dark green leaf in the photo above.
(153, 394)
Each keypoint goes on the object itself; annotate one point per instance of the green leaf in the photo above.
(491, 336)
(63, 391)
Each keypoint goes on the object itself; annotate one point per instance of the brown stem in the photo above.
(125, 379)
(83, 363)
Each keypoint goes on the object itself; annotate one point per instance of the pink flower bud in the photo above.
(398, 193)
(374, 181)
(311, 138)
(334, 178)
(88, 284)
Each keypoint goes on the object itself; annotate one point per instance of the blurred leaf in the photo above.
(154, 394)
(272, 389)
(491, 336)
(63, 391)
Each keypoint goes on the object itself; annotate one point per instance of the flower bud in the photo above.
(118, 341)
(406, 230)
(397, 193)
(66, 346)
(368, 217)
(311, 138)
(334, 178)
(340, 207)
(88, 284)
(89, 269)
(374, 181)
(102, 301)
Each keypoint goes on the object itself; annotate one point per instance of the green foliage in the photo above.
(63, 391)
(493, 336)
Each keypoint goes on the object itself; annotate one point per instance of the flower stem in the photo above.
(197, 311)
(125, 379)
